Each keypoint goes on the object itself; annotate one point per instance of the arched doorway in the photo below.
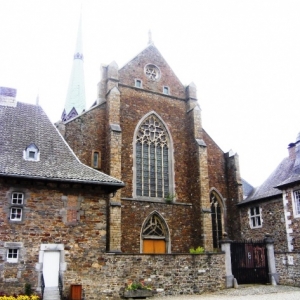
(155, 235)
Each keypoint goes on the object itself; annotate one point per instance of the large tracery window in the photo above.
(152, 159)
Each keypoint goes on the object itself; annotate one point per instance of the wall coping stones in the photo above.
(157, 201)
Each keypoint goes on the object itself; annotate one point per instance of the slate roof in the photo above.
(268, 188)
(247, 188)
(25, 124)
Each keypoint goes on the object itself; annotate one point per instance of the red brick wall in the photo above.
(87, 133)
(135, 103)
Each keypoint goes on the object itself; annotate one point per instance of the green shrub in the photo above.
(28, 290)
(197, 250)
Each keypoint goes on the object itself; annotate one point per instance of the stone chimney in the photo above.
(297, 155)
(8, 96)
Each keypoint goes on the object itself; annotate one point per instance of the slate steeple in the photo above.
(75, 100)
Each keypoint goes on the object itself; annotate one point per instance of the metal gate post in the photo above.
(225, 246)
(271, 258)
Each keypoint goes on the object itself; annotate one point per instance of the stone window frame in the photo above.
(138, 83)
(96, 165)
(296, 202)
(166, 90)
(171, 172)
(31, 153)
(256, 216)
(16, 246)
(14, 205)
(216, 198)
(166, 236)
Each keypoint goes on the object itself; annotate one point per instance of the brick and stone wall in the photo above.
(273, 222)
(169, 274)
(54, 213)
(288, 268)
(197, 168)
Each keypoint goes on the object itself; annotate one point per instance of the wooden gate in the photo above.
(249, 262)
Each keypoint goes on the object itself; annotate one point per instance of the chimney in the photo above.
(292, 151)
(8, 96)
(297, 155)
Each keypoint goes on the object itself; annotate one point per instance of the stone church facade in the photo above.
(145, 129)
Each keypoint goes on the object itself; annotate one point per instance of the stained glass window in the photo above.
(152, 159)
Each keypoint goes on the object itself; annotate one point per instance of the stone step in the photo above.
(51, 293)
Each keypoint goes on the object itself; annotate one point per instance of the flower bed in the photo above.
(19, 297)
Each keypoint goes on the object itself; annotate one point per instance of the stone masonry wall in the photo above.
(272, 223)
(288, 268)
(167, 274)
(63, 214)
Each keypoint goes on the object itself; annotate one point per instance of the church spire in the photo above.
(150, 41)
(75, 100)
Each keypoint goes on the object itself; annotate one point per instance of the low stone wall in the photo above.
(168, 274)
(288, 268)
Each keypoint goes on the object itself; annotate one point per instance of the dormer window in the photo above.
(32, 153)
(138, 83)
(166, 90)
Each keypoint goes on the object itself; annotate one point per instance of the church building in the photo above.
(145, 129)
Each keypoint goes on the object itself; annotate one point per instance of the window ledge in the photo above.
(157, 201)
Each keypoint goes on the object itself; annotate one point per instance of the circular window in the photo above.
(152, 72)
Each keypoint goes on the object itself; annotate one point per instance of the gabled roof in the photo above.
(25, 124)
(268, 188)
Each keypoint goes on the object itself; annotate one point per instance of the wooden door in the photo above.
(154, 246)
(76, 292)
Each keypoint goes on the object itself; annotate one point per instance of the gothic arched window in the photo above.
(216, 218)
(152, 159)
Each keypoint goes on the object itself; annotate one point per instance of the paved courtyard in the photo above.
(247, 292)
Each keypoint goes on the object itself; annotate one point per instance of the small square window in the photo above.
(166, 90)
(12, 255)
(31, 154)
(138, 83)
(17, 198)
(16, 214)
(255, 217)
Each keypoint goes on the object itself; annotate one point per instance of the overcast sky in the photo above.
(243, 57)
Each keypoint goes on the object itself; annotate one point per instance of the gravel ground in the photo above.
(262, 292)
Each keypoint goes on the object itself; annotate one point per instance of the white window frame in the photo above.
(17, 198)
(12, 252)
(31, 153)
(296, 203)
(14, 211)
(17, 206)
(166, 90)
(255, 216)
(138, 83)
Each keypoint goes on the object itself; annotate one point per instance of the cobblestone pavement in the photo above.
(247, 292)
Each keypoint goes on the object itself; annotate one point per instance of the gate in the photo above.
(249, 262)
